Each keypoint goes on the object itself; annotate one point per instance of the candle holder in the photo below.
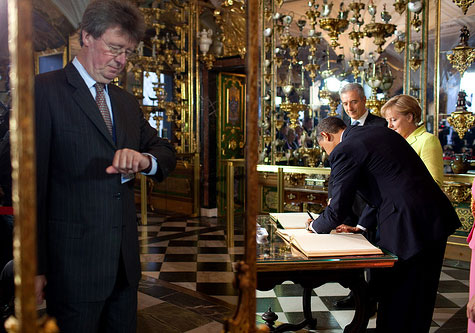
(399, 43)
(461, 120)
(312, 13)
(334, 26)
(462, 55)
(374, 80)
(400, 6)
(378, 31)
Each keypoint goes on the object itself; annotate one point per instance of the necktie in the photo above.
(356, 123)
(101, 103)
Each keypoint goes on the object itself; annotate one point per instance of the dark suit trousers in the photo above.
(117, 314)
(408, 291)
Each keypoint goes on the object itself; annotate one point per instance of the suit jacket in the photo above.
(86, 217)
(428, 147)
(412, 211)
(360, 207)
(371, 120)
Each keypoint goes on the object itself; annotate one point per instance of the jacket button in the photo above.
(116, 195)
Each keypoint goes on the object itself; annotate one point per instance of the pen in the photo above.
(308, 212)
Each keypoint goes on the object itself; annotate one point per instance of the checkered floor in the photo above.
(192, 253)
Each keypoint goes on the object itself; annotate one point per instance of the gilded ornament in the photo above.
(457, 192)
(462, 55)
(461, 120)
(232, 21)
(334, 26)
(400, 6)
(379, 31)
(463, 4)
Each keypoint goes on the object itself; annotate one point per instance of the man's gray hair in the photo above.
(101, 15)
(354, 86)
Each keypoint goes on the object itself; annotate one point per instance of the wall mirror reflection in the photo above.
(190, 76)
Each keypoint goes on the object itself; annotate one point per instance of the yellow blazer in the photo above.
(429, 149)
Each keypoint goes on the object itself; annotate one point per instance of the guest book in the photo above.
(291, 228)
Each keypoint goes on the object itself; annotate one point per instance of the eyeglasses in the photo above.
(117, 51)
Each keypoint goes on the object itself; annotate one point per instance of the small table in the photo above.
(277, 262)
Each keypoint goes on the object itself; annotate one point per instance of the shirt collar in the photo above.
(90, 82)
(341, 137)
(362, 119)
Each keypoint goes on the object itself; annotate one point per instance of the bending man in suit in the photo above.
(414, 216)
(91, 140)
(353, 100)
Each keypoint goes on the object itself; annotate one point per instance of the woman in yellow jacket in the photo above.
(403, 114)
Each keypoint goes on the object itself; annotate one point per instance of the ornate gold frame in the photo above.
(62, 51)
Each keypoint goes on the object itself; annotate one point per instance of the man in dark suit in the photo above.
(353, 101)
(92, 138)
(414, 216)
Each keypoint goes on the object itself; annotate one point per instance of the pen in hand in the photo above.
(308, 212)
(307, 225)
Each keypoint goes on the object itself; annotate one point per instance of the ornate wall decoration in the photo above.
(463, 4)
(231, 18)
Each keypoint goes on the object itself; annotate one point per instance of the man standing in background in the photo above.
(91, 139)
(353, 101)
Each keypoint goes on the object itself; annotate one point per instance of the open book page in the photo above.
(291, 220)
(321, 245)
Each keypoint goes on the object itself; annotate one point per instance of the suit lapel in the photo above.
(84, 99)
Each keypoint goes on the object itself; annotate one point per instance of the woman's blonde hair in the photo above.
(404, 104)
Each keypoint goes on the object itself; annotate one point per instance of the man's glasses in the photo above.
(117, 51)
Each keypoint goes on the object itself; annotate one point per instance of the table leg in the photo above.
(307, 309)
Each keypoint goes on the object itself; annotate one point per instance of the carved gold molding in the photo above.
(461, 58)
(457, 192)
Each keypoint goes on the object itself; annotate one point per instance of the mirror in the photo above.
(311, 49)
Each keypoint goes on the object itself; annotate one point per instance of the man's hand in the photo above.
(471, 309)
(127, 161)
(347, 228)
(40, 283)
(307, 225)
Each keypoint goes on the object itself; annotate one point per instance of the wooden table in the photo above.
(278, 262)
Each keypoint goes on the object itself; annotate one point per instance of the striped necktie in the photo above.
(101, 103)
(355, 123)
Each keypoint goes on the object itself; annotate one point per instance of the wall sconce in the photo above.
(462, 55)
(461, 120)
(205, 41)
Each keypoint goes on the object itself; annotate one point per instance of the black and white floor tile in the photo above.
(189, 257)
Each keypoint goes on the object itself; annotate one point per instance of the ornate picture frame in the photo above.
(50, 60)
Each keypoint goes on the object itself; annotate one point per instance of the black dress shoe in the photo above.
(347, 302)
